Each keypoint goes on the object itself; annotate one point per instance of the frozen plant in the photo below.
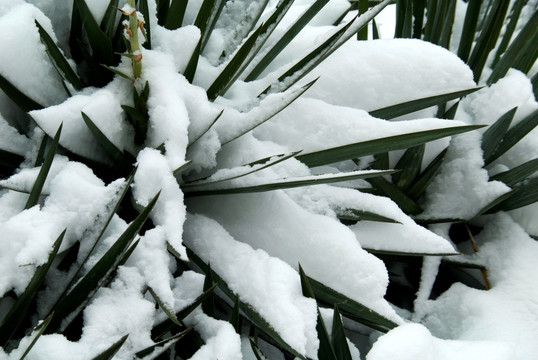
(244, 179)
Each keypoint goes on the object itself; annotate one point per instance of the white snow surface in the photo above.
(266, 283)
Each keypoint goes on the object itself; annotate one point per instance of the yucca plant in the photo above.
(154, 205)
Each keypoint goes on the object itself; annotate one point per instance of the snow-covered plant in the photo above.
(213, 179)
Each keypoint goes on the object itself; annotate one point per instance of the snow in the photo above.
(266, 283)
(19, 31)
(461, 188)
(256, 242)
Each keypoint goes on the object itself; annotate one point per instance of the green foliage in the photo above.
(96, 47)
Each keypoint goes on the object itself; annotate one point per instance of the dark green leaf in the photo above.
(100, 43)
(469, 28)
(509, 31)
(256, 319)
(339, 341)
(190, 70)
(70, 305)
(109, 353)
(167, 310)
(108, 23)
(207, 19)
(419, 186)
(256, 350)
(235, 318)
(527, 55)
(231, 72)
(325, 350)
(208, 304)
(18, 97)
(448, 23)
(404, 19)
(488, 37)
(41, 152)
(419, 7)
(305, 284)
(207, 129)
(410, 164)
(526, 194)
(287, 183)
(162, 11)
(38, 331)
(117, 72)
(390, 112)
(306, 64)
(155, 350)
(182, 168)
(408, 205)
(33, 198)
(144, 10)
(59, 58)
(512, 54)
(119, 156)
(517, 174)
(176, 12)
(354, 215)
(493, 136)
(165, 326)
(381, 145)
(290, 97)
(516, 133)
(18, 311)
(495, 202)
(288, 36)
(350, 308)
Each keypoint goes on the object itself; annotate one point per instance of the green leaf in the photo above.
(235, 318)
(207, 19)
(100, 43)
(123, 158)
(33, 198)
(495, 202)
(339, 342)
(306, 64)
(349, 307)
(165, 326)
(469, 29)
(11, 322)
(381, 145)
(488, 37)
(528, 55)
(519, 173)
(117, 72)
(190, 70)
(182, 168)
(410, 164)
(419, 7)
(509, 31)
(144, 10)
(288, 98)
(70, 305)
(404, 19)
(59, 58)
(493, 136)
(390, 112)
(167, 310)
(448, 24)
(231, 72)
(516, 133)
(108, 23)
(418, 188)
(526, 194)
(349, 216)
(176, 12)
(207, 129)
(305, 284)
(255, 318)
(153, 351)
(208, 304)
(25, 103)
(514, 51)
(36, 334)
(325, 350)
(139, 122)
(9, 159)
(247, 169)
(408, 205)
(256, 350)
(109, 353)
(162, 11)
(286, 183)
(288, 36)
